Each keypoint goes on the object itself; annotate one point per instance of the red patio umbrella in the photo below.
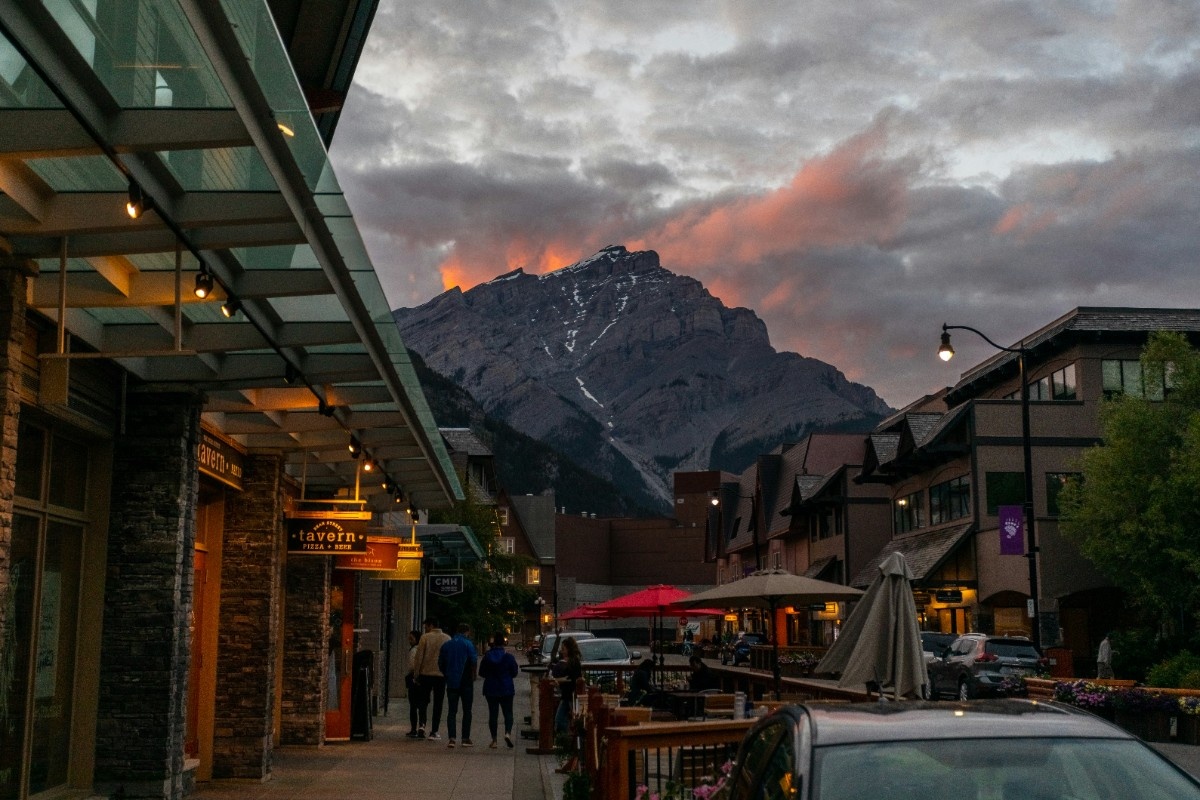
(653, 601)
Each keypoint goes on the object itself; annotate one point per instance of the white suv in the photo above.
(551, 644)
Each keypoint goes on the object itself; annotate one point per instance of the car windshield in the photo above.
(999, 769)
(601, 650)
(1010, 649)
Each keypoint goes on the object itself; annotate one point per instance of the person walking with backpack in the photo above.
(417, 701)
(498, 668)
(458, 661)
(427, 674)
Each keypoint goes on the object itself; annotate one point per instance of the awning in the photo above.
(924, 552)
(204, 123)
(820, 568)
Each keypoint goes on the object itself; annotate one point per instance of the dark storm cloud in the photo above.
(856, 173)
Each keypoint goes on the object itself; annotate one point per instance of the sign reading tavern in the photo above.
(220, 459)
(327, 531)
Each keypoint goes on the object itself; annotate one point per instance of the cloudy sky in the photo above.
(854, 172)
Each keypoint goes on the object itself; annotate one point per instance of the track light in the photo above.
(204, 284)
(136, 204)
(368, 464)
(290, 374)
(355, 446)
(324, 409)
(412, 512)
(230, 307)
(387, 484)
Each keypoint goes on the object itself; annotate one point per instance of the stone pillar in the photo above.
(251, 571)
(148, 599)
(306, 634)
(13, 275)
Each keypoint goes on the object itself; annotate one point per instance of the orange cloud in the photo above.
(846, 197)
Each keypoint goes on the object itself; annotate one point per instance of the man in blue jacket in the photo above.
(458, 662)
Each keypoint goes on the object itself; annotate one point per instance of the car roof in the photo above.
(592, 641)
(857, 723)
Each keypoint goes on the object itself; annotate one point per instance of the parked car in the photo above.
(606, 651)
(977, 665)
(934, 643)
(550, 645)
(1003, 749)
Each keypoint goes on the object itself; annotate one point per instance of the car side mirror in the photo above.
(636, 655)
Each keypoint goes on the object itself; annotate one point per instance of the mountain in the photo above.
(631, 370)
(525, 465)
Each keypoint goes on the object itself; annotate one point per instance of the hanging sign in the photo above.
(408, 565)
(446, 585)
(325, 532)
(1012, 542)
(381, 554)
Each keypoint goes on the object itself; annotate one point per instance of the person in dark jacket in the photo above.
(641, 684)
(498, 668)
(702, 677)
(458, 662)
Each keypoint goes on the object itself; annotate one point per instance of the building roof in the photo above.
(536, 514)
(213, 132)
(924, 552)
(464, 440)
(820, 567)
(1086, 322)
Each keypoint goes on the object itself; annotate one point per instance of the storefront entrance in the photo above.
(340, 655)
(44, 701)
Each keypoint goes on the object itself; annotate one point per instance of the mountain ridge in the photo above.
(631, 369)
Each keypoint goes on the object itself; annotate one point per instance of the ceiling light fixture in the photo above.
(368, 464)
(324, 409)
(136, 204)
(290, 373)
(204, 283)
(355, 446)
(231, 306)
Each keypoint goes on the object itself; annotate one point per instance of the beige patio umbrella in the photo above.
(771, 589)
(880, 640)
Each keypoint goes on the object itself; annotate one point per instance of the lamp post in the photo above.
(946, 352)
(539, 602)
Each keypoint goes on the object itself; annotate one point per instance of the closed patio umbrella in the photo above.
(772, 589)
(880, 641)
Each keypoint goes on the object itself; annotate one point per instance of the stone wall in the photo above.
(251, 572)
(148, 599)
(306, 623)
(13, 273)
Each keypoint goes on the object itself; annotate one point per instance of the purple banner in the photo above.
(1012, 538)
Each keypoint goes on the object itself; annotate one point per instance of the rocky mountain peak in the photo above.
(631, 369)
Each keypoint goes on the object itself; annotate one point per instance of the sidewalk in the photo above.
(393, 766)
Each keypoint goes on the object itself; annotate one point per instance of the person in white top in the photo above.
(1104, 659)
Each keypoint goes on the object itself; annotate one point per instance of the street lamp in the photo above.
(539, 602)
(946, 352)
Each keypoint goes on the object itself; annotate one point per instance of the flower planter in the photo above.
(1149, 726)
(1188, 729)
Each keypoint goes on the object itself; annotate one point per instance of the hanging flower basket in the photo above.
(1188, 727)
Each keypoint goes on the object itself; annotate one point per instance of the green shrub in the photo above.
(1180, 671)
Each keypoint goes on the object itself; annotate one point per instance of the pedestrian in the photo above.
(641, 684)
(498, 668)
(569, 672)
(1104, 659)
(426, 672)
(416, 700)
(458, 662)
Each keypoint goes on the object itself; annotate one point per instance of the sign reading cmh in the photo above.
(446, 585)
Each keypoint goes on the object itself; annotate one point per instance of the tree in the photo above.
(1136, 511)
(490, 601)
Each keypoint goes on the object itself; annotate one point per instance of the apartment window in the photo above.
(1004, 489)
(1059, 385)
(907, 513)
(533, 576)
(502, 513)
(1124, 376)
(1055, 483)
(506, 545)
(950, 500)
